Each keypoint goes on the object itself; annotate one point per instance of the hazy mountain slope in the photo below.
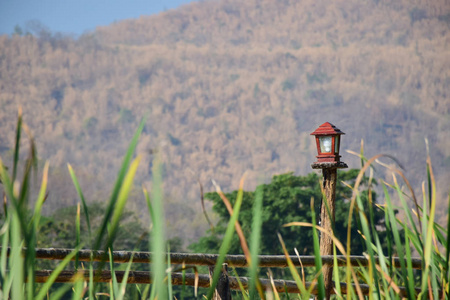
(230, 86)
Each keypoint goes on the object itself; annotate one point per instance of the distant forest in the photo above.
(229, 86)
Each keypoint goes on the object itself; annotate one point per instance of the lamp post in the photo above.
(328, 141)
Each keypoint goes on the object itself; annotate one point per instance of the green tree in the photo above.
(58, 229)
(288, 199)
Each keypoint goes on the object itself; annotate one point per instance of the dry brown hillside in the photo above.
(230, 86)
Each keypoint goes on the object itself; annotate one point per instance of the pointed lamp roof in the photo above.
(327, 129)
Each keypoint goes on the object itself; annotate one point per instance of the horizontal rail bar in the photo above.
(142, 277)
(210, 259)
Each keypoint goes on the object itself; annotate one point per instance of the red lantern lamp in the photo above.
(328, 141)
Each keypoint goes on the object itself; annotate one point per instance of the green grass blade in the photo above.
(122, 200)
(91, 279)
(16, 262)
(4, 251)
(374, 235)
(150, 243)
(8, 188)
(226, 241)
(150, 207)
(78, 289)
(118, 184)
(407, 210)
(122, 197)
(255, 240)
(429, 176)
(336, 277)
(77, 234)
(120, 204)
(317, 256)
(429, 226)
(112, 293)
(17, 145)
(390, 242)
(24, 187)
(286, 294)
(368, 239)
(435, 269)
(123, 284)
(361, 155)
(409, 267)
(398, 244)
(244, 294)
(31, 234)
(440, 232)
(383, 265)
(153, 292)
(157, 234)
(80, 194)
(114, 285)
(46, 286)
(424, 227)
(145, 292)
(41, 198)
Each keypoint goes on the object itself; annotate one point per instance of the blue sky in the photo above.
(76, 16)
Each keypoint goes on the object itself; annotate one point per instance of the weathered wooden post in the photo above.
(223, 291)
(328, 159)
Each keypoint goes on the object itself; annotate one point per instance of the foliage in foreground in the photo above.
(420, 234)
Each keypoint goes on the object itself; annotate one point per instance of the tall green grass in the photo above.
(417, 232)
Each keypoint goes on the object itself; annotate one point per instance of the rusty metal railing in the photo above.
(198, 259)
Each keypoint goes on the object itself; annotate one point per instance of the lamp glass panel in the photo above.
(325, 144)
(336, 144)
